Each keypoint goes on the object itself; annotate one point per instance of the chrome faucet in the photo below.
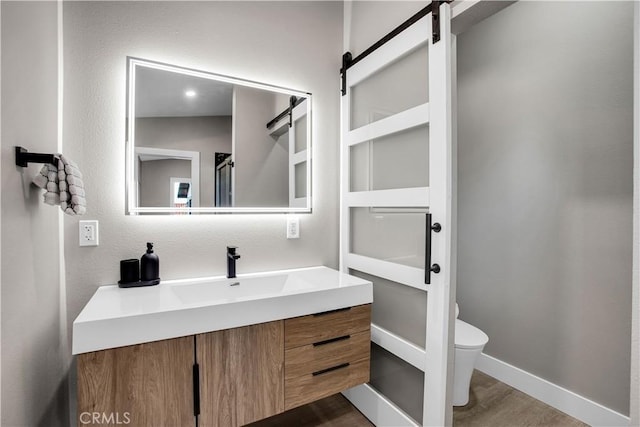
(232, 256)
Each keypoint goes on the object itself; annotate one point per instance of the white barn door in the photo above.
(397, 165)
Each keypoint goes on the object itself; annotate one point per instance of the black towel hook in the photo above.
(24, 157)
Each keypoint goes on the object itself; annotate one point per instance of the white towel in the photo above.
(63, 185)
(48, 180)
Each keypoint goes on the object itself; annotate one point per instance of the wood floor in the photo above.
(333, 411)
(491, 404)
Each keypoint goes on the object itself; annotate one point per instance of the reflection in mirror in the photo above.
(179, 170)
(223, 180)
(200, 142)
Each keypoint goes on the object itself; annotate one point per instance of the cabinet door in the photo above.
(147, 384)
(241, 374)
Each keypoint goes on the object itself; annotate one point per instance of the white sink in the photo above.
(240, 289)
(116, 317)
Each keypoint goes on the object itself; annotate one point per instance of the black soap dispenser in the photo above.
(150, 267)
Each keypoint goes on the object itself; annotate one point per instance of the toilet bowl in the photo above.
(469, 342)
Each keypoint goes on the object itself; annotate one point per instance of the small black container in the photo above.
(129, 271)
(149, 265)
(130, 275)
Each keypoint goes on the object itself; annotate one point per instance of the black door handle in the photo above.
(428, 268)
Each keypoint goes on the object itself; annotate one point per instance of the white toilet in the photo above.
(469, 342)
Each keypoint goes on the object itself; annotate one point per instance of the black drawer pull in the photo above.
(428, 267)
(334, 368)
(332, 311)
(329, 341)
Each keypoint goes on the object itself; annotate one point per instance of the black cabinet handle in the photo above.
(428, 268)
(331, 311)
(334, 368)
(329, 341)
(196, 389)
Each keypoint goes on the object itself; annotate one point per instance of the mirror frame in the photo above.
(131, 193)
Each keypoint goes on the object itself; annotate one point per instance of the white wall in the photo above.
(290, 44)
(545, 174)
(34, 353)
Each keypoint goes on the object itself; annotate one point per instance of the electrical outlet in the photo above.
(293, 227)
(88, 233)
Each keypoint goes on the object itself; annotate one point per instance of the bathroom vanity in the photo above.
(227, 351)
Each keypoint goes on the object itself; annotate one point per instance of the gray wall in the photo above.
(230, 38)
(261, 163)
(635, 334)
(280, 103)
(207, 135)
(545, 163)
(252, 40)
(35, 355)
(155, 180)
(545, 140)
(385, 14)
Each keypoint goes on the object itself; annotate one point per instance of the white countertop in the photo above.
(115, 317)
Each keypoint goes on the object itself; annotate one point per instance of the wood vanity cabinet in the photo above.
(227, 378)
(148, 384)
(241, 374)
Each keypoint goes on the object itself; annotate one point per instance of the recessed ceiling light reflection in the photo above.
(190, 93)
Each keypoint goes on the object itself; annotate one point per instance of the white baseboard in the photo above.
(377, 408)
(560, 398)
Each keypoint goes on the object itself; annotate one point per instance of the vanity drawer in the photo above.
(325, 354)
(318, 385)
(306, 330)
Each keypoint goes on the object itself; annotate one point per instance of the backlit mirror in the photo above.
(199, 142)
